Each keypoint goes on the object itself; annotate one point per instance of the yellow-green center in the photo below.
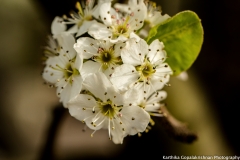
(146, 70)
(109, 109)
(121, 29)
(107, 57)
(69, 71)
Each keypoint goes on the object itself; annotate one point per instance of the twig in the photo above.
(176, 129)
(47, 152)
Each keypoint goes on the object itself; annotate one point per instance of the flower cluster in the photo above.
(104, 72)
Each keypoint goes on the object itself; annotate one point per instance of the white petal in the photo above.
(97, 8)
(124, 75)
(78, 63)
(77, 104)
(118, 134)
(109, 71)
(89, 67)
(97, 84)
(126, 8)
(105, 13)
(82, 106)
(131, 97)
(66, 41)
(135, 119)
(69, 90)
(57, 27)
(134, 52)
(122, 7)
(100, 31)
(158, 84)
(118, 48)
(163, 69)
(73, 29)
(115, 96)
(156, 53)
(139, 14)
(121, 38)
(158, 18)
(87, 47)
(49, 74)
(157, 97)
(85, 26)
(134, 35)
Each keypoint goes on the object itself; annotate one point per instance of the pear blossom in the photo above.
(99, 55)
(82, 20)
(105, 73)
(151, 101)
(63, 70)
(104, 107)
(152, 17)
(57, 27)
(143, 66)
(154, 14)
(116, 26)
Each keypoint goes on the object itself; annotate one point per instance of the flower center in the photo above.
(121, 28)
(69, 71)
(108, 109)
(146, 70)
(107, 57)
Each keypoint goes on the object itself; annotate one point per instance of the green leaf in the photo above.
(182, 36)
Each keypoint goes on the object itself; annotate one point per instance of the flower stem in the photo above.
(47, 151)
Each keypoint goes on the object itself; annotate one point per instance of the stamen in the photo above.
(139, 134)
(93, 133)
(109, 129)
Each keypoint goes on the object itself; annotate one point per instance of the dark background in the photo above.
(213, 78)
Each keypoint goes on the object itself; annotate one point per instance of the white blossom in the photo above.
(82, 20)
(143, 66)
(99, 55)
(154, 14)
(151, 101)
(152, 17)
(103, 106)
(63, 70)
(105, 74)
(116, 26)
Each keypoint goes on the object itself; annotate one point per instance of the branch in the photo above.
(48, 148)
(176, 129)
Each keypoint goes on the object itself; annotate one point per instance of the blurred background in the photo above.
(208, 101)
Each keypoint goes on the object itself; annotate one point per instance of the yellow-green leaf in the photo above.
(182, 36)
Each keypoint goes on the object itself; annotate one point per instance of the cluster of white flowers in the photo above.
(104, 72)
